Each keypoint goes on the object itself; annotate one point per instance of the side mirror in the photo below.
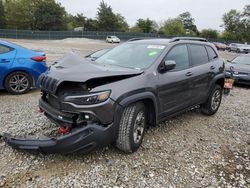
(229, 61)
(169, 65)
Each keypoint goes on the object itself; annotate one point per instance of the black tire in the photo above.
(22, 87)
(128, 140)
(238, 51)
(209, 108)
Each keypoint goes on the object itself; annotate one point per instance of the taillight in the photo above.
(39, 58)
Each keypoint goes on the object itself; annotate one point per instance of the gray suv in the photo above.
(116, 97)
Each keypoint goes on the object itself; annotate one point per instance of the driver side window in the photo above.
(179, 54)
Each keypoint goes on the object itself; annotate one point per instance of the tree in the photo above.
(122, 25)
(188, 23)
(173, 27)
(209, 33)
(246, 22)
(19, 13)
(91, 25)
(2, 15)
(107, 20)
(49, 15)
(145, 26)
(232, 20)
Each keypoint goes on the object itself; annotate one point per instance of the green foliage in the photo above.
(91, 25)
(122, 25)
(209, 33)
(35, 14)
(75, 21)
(188, 23)
(19, 13)
(2, 15)
(49, 15)
(237, 25)
(173, 27)
(107, 20)
(145, 26)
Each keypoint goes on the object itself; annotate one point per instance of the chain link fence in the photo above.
(55, 35)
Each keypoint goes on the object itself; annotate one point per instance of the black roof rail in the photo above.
(188, 38)
(142, 38)
(134, 39)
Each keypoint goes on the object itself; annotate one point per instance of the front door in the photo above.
(174, 86)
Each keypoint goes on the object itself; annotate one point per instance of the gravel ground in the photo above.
(190, 150)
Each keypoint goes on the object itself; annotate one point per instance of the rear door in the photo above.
(7, 56)
(203, 67)
(174, 86)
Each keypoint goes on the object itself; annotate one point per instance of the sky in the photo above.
(207, 13)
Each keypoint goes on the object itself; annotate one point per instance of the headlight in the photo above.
(89, 99)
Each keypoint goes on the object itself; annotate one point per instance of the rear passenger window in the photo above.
(179, 54)
(4, 49)
(211, 53)
(198, 54)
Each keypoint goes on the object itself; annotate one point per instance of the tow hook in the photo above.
(63, 130)
(40, 110)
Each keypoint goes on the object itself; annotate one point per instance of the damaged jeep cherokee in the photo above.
(114, 98)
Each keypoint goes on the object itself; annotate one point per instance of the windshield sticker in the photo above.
(160, 47)
(152, 53)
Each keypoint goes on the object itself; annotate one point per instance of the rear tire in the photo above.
(132, 128)
(213, 102)
(18, 83)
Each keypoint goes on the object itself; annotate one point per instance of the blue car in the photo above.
(20, 67)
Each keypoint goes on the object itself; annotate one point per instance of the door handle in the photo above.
(212, 67)
(4, 61)
(189, 74)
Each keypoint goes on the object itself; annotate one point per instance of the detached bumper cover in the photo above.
(82, 140)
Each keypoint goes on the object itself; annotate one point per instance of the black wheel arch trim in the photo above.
(138, 95)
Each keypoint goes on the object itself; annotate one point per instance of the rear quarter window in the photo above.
(198, 54)
(4, 49)
(211, 53)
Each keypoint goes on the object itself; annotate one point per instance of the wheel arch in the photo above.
(150, 102)
(17, 70)
(219, 79)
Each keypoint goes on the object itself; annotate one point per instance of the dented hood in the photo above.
(75, 68)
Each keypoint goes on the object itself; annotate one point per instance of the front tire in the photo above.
(18, 83)
(213, 102)
(132, 128)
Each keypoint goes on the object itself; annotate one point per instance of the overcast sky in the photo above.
(207, 13)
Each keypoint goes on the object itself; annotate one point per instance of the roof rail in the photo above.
(134, 39)
(141, 38)
(188, 38)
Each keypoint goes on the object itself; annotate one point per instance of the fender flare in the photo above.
(215, 79)
(138, 97)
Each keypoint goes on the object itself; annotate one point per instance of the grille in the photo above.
(53, 101)
(47, 83)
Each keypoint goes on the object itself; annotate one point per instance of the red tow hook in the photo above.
(40, 110)
(63, 130)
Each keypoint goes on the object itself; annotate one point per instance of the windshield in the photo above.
(242, 60)
(137, 56)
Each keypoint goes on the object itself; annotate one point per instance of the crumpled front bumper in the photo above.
(81, 140)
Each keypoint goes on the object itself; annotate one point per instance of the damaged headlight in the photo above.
(89, 99)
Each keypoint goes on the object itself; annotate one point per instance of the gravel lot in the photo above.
(190, 150)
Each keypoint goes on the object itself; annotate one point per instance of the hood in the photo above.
(238, 67)
(75, 68)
